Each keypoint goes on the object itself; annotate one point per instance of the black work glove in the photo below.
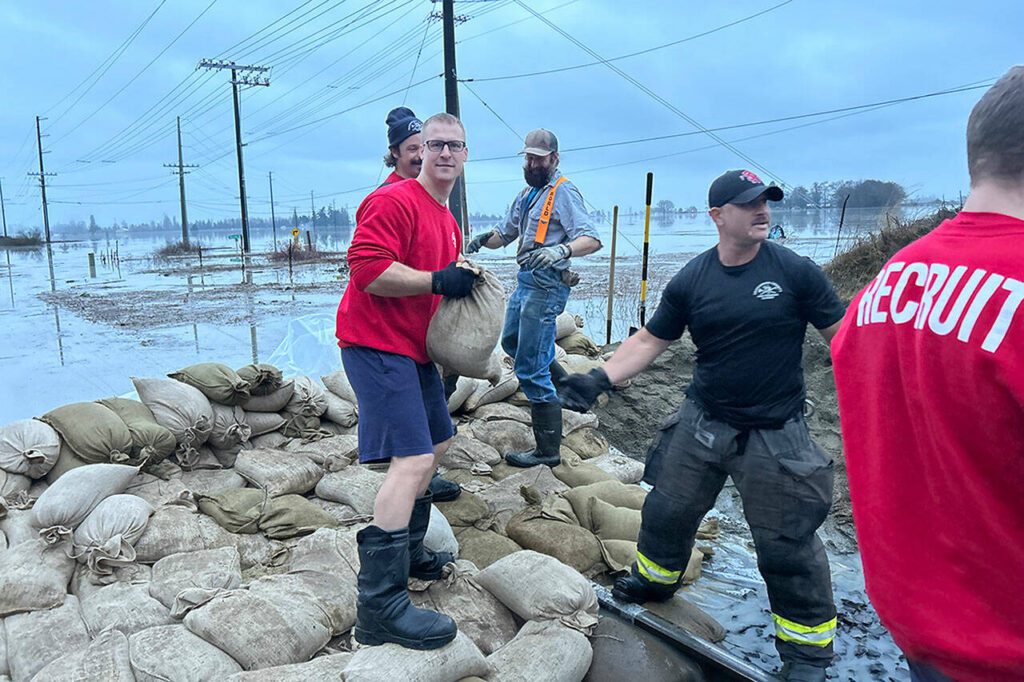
(478, 241)
(453, 281)
(580, 391)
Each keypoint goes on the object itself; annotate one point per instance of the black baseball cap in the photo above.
(739, 187)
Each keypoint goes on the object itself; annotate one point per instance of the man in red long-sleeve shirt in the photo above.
(929, 366)
(403, 259)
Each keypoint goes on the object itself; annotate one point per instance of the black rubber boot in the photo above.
(384, 612)
(547, 430)
(802, 672)
(443, 490)
(636, 589)
(424, 564)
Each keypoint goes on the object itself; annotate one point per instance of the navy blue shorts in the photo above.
(402, 409)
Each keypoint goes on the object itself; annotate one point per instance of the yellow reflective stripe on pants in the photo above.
(813, 635)
(654, 572)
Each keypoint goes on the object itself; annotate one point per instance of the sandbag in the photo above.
(504, 436)
(272, 402)
(615, 493)
(17, 526)
(476, 611)
(538, 587)
(205, 457)
(331, 429)
(622, 468)
(338, 384)
(93, 432)
(334, 453)
(308, 398)
(184, 581)
(467, 510)
(289, 516)
(572, 420)
(70, 499)
(269, 441)
(454, 661)
(218, 382)
(304, 426)
(85, 583)
(35, 639)
(14, 487)
(342, 513)
(34, 575)
(575, 473)
(572, 545)
(506, 497)
(28, 447)
(579, 364)
(263, 422)
(209, 481)
(579, 343)
(259, 552)
(439, 537)
(157, 491)
(500, 411)
(320, 669)
(543, 651)
(464, 331)
(484, 547)
(124, 606)
(464, 387)
(151, 443)
(565, 324)
(181, 408)
(618, 555)
(66, 461)
(263, 379)
(340, 411)
(175, 529)
(106, 538)
(257, 632)
(278, 472)
(236, 511)
(328, 550)
(229, 427)
(485, 394)
(105, 658)
(613, 523)
(355, 486)
(171, 652)
(465, 451)
(320, 595)
(587, 443)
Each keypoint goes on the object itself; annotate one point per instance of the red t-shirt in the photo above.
(393, 178)
(929, 364)
(403, 223)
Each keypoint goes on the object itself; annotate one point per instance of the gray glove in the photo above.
(478, 241)
(546, 256)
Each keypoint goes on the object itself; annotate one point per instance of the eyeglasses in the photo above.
(454, 146)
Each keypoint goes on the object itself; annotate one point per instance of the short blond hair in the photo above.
(444, 118)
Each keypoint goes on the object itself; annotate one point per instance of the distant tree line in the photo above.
(862, 193)
(325, 216)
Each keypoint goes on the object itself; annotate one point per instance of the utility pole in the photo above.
(457, 199)
(42, 180)
(181, 186)
(3, 211)
(273, 220)
(312, 211)
(235, 82)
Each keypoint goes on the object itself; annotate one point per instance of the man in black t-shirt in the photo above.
(747, 303)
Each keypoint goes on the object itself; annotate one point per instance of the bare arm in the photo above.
(400, 280)
(634, 355)
(582, 246)
(828, 332)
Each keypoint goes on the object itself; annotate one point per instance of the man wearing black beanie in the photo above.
(404, 144)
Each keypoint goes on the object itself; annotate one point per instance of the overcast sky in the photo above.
(112, 76)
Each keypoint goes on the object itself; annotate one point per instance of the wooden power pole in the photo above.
(181, 186)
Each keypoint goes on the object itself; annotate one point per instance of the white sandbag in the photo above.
(210, 481)
(4, 669)
(256, 632)
(573, 421)
(105, 658)
(320, 669)
(180, 408)
(183, 581)
(440, 537)
(625, 469)
(3, 541)
(272, 402)
(308, 398)
(486, 394)
(538, 587)
(257, 550)
(70, 499)
(17, 527)
(171, 652)
(464, 387)
(355, 486)
(566, 324)
(334, 453)
(278, 472)
(463, 332)
(543, 651)
(269, 441)
(29, 447)
(263, 422)
(323, 596)
(85, 583)
(338, 384)
(452, 662)
(328, 550)
(123, 606)
(157, 491)
(340, 411)
(14, 487)
(464, 452)
(37, 638)
(175, 529)
(230, 428)
(106, 538)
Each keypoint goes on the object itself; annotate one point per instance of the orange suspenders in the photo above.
(545, 214)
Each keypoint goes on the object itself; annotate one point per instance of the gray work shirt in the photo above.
(569, 219)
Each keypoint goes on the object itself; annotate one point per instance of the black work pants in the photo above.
(785, 482)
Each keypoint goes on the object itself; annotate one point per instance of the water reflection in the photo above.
(56, 308)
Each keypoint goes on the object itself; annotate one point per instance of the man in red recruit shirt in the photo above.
(403, 259)
(929, 364)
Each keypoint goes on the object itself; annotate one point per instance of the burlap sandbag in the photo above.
(464, 331)
(622, 468)
(339, 410)
(289, 516)
(106, 538)
(14, 487)
(205, 457)
(613, 523)
(586, 442)
(124, 606)
(539, 587)
(476, 611)
(572, 420)
(467, 510)
(321, 669)
(308, 399)
(34, 576)
(328, 550)
(183, 581)
(181, 408)
(305, 426)
(94, 432)
(615, 493)
(270, 441)
(483, 547)
(236, 511)
(338, 384)
(579, 343)
(279, 472)
(579, 364)
(543, 651)
(322, 596)
(575, 473)
(105, 658)
(619, 555)
(333, 454)
(263, 379)
(461, 658)
(355, 486)
(502, 411)
(464, 387)
(29, 447)
(171, 652)
(36, 639)
(504, 436)
(85, 583)
(485, 394)
(17, 526)
(464, 451)
(157, 491)
(272, 402)
(209, 481)
(567, 323)
(229, 427)
(440, 537)
(342, 513)
(218, 382)
(64, 505)
(512, 494)
(572, 545)
(151, 443)
(175, 529)
(263, 422)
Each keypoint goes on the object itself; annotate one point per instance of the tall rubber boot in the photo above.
(636, 589)
(443, 490)
(384, 612)
(802, 672)
(424, 563)
(547, 431)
